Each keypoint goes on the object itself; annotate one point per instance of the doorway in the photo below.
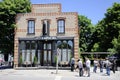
(47, 54)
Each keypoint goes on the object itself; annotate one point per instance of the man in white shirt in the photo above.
(88, 66)
(95, 65)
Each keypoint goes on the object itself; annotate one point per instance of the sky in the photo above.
(92, 9)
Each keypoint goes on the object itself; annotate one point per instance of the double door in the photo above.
(47, 54)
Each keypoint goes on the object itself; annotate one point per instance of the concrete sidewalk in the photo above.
(62, 73)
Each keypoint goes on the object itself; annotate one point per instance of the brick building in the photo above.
(44, 32)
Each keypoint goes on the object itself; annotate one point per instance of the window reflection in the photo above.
(70, 44)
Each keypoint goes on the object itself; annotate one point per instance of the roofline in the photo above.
(48, 4)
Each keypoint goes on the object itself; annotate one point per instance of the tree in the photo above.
(116, 45)
(8, 11)
(86, 30)
(108, 30)
(98, 37)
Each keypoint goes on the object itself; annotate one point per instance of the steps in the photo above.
(41, 67)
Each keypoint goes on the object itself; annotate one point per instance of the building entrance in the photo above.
(46, 54)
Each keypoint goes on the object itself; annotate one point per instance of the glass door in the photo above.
(47, 54)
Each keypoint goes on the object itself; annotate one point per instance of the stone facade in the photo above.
(52, 13)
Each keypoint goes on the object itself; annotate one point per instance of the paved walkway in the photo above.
(61, 74)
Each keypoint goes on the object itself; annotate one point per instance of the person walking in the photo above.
(101, 65)
(88, 67)
(113, 65)
(80, 65)
(72, 64)
(95, 65)
(84, 69)
(108, 65)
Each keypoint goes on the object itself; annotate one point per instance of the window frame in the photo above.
(31, 27)
(60, 25)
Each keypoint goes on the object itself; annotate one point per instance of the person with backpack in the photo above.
(108, 65)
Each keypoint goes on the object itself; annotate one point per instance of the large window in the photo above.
(61, 26)
(31, 26)
(27, 51)
(65, 50)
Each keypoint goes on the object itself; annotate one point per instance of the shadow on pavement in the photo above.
(6, 67)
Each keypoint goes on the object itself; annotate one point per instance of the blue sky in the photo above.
(93, 9)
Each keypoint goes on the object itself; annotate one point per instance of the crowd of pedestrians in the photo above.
(84, 67)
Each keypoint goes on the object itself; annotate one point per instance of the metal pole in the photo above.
(57, 62)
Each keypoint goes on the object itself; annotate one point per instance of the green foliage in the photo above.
(105, 36)
(95, 48)
(55, 58)
(116, 45)
(8, 11)
(112, 50)
(86, 31)
(108, 30)
(21, 60)
(92, 56)
(35, 60)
